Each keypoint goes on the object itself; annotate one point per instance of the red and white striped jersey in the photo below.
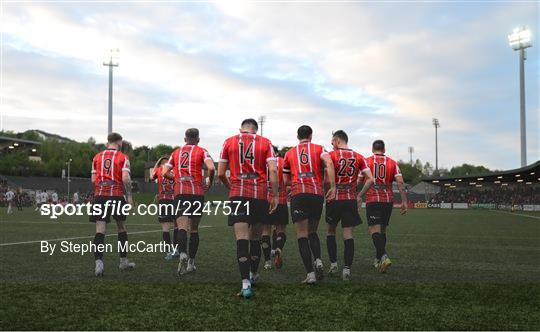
(108, 166)
(348, 165)
(165, 186)
(282, 188)
(247, 155)
(385, 170)
(188, 164)
(304, 163)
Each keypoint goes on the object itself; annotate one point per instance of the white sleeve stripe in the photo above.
(224, 160)
(271, 158)
(94, 171)
(205, 159)
(323, 153)
(126, 169)
(169, 165)
(365, 169)
(399, 175)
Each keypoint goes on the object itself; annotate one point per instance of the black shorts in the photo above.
(279, 217)
(378, 213)
(114, 209)
(166, 210)
(250, 210)
(189, 206)
(345, 211)
(306, 206)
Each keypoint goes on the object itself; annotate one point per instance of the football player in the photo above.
(112, 190)
(250, 159)
(303, 169)
(379, 201)
(348, 164)
(188, 162)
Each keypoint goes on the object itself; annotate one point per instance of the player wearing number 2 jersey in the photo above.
(112, 184)
(303, 169)
(348, 165)
(188, 162)
(250, 159)
(379, 201)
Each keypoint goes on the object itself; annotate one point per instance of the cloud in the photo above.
(375, 70)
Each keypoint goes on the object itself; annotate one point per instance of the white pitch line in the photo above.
(517, 214)
(80, 237)
(65, 222)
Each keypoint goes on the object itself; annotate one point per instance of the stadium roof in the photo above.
(6, 142)
(528, 174)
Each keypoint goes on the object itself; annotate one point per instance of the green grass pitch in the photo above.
(452, 270)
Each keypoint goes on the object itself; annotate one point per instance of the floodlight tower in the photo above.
(262, 120)
(519, 40)
(411, 150)
(436, 125)
(113, 62)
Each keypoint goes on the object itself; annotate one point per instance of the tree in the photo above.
(411, 173)
(467, 169)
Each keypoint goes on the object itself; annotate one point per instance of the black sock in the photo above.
(348, 252)
(315, 245)
(193, 244)
(255, 254)
(379, 244)
(305, 253)
(281, 239)
(332, 248)
(265, 243)
(175, 236)
(274, 240)
(384, 241)
(99, 240)
(242, 253)
(122, 240)
(167, 237)
(182, 240)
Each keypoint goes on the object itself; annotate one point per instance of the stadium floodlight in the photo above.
(68, 163)
(11, 147)
(113, 62)
(411, 150)
(519, 40)
(15, 144)
(436, 124)
(34, 150)
(262, 120)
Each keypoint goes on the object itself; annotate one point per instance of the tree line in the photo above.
(54, 155)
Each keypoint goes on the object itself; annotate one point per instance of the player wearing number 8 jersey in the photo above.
(379, 201)
(188, 162)
(112, 186)
(250, 158)
(348, 165)
(303, 169)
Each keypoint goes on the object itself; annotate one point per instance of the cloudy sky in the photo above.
(376, 70)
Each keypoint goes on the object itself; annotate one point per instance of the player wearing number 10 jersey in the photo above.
(348, 166)
(250, 158)
(188, 162)
(112, 181)
(303, 168)
(379, 200)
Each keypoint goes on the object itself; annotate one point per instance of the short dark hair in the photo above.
(378, 145)
(192, 135)
(114, 137)
(304, 132)
(342, 135)
(276, 150)
(251, 122)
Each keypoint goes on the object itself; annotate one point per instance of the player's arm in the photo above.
(211, 169)
(94, 173)
(330, 176)
(166, 171)
(222, 173)
(274, 183)
(126, 180)
(367, 179)
(402, 193)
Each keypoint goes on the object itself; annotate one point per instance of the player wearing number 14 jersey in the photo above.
(303, 169)
(379, 201)
(250, 159)
(348, 165)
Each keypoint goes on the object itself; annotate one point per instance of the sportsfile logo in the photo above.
(181, 208)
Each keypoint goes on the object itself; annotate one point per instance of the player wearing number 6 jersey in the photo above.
(348, 165)
(250, 159)
(379, 201)
(188, 162)
(303, 169)
(112, 186)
